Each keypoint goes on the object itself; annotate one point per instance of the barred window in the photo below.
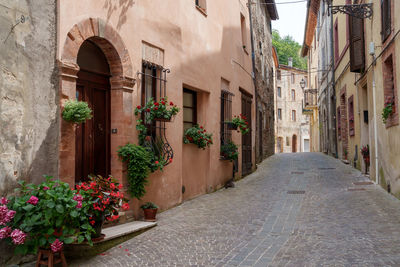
(226, 116)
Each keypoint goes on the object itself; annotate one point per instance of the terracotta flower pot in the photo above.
(98, 225)
(150, 215)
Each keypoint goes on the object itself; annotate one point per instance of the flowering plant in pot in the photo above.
(241, 123)
(105, 200)
(150, 211)
(229, 151)
(45, 216)
(197, 135)
(76, 111)
(158, 110)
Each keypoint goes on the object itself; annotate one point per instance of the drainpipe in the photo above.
(333, 87)
(249, 3)
(377, 180)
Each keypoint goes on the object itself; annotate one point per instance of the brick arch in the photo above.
(121, 81)
(104, 35)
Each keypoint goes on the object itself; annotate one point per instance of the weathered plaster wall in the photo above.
(28, 83)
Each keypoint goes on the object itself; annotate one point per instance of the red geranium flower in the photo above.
(156, 162)
(162, 102)
(138, 107)
(170, 160)
(156, 104)
(155, 108)
(125, 206)
(148, 110)
(171, 104)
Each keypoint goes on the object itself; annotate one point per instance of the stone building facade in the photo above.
(263, 12)
(291, 125)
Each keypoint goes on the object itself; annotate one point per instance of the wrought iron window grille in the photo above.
(361, 11)
(156, 140)
(226, 116)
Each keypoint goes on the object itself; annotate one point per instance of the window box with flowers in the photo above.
(158, 110)
(239, 122)
(197, 135)
(229, 151)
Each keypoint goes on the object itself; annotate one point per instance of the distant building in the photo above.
(291, 125)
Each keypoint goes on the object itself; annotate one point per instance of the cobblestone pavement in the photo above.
(258, 223)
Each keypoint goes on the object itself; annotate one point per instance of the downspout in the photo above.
(333, 86)
(249, 3)
(377, 180)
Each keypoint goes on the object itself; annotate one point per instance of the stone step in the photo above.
(126, 229)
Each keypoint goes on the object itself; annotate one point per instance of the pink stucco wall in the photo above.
(199, 50)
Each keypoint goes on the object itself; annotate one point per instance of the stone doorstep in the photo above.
(125, 229)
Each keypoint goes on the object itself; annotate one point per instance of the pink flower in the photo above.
(33, 200)
(79, 205)
(5, 232)
(18, 237)
(3, 201)
(56, 246)
(6, 215)
(45, 188)
(77, 197)
(10, 215)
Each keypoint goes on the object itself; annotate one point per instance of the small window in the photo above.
(351, 115)
(244, 33)
(202, 5)
(278, 75)
(189, 108)
(293, 115)
(279, 92)
(339, 123)
(279, 114)
(226, 115)
(287, 141)
(386, 19)
(293, 78)
(293, 95)
(389, 89)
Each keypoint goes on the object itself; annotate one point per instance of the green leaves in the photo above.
(138, 160)
(76, 111)
(287, 47)
(60, 208)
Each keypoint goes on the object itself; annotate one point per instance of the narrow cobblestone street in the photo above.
(266, 220)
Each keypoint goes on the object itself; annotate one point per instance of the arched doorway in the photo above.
(294, 143)
(92, 138)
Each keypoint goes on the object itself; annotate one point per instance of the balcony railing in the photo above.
(310, 100)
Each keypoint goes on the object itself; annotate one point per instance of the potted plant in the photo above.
(158, 110)
(241, 123)
(45, 217)
(366, 157)
(387, 110)
(150, 211)
(197, 135)
(106, 199)
(76, 111)
(229, 151)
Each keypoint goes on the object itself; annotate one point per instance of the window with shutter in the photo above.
(386, 19)
(357, 50)
(351, 115)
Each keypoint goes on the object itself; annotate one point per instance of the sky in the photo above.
(291, 20)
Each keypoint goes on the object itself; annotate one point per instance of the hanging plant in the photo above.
(138, 160)
(229, 151)
(76, 111)
(241, 123)
(197, 135)
(387, 111)
(160, 110)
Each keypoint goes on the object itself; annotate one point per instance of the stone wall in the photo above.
(264, 81)
(28, 94)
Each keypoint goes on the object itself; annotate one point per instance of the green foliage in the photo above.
(241, 123)
(138, 160)
(386, 112)
(76, 111)
(149, 205)
(54, 216)
(197, 135)
(229, 151)
(287, 47)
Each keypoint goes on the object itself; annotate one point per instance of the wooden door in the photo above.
(93, 137)
(246, 138)
(294, 143)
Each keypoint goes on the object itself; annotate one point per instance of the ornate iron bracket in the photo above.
(361, 11)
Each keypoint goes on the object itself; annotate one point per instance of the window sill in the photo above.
(202, 11)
